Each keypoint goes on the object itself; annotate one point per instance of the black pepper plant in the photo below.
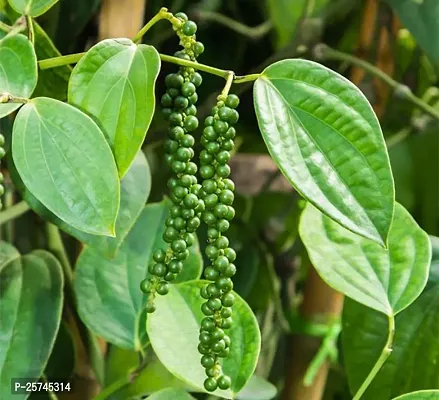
(77, 162)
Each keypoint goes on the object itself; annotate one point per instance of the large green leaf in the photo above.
(114, 83)
(285, 15)
(63, 159)
(420, 395)
(174, 329)
(135, 187)
(18, 70)
(325, 138)
(385, 280)
(420, 17)
(412, 365)
(110, 301)
(171, 393)
(52, 82)
(155, 377)
(34, 8)
(31, 299)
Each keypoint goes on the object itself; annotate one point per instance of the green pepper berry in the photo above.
(220, 126)
(160, 269)
(182, 255)
(209, 218)
(213, 147)
(207, 171)
(150, 308)
(197, 79)
(175, 266)
(208, 324)
(170, 234)
(205, 338)
(227, 145)
(181, 102)
(191, 123)
(182, 16)
(179, 223)
(166, 100)
(189, 28)
(159, 255)
(224, 382)
(223, 171)
(230, 271)
(219, 346)
(209, 186)
(226, 312)
(193, 99)
(206, 310)
(193, 224)
(210, 384)
(211, 274)
(218, 334)
(212, 233)
(211, 200)
(163, 288)
(207, 361)
(188, 89)
(226, 197)
(221, 263)
(222, 243)
(145, 286)
(176, 118)
(224, 284)
(220, 210)
(225, 113)
(212, 252)
(209, 121)
(191, 110)
(202, 349)
(228, 300)
(187, 141)
(206, 158)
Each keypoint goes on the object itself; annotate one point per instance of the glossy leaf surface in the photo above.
(52, 82)
(171, 393)
(135, 187)
(63, 159)
(387, 281)
(110, 301)
(173, 330)
(412, 365)
(34, 8)
(31, 299)
(325, 138)
(420, 18)
(114, 83)
(420, 395)
(18, 70)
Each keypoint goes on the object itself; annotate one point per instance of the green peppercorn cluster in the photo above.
(2, 154)
(217, 193)
(178, 106)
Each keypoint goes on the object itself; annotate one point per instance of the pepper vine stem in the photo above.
(324, 52)
(6, 98)
(162, 14)
(30, 29)
(387, 350)
(13, 212)
(4, 27)
(254, 33)
(74, 58)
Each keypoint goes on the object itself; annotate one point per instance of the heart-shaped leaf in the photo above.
(385, 280)
(173, 330)
(52, 82)
(110, 301)
(257, 389)
(420, 18)
(34, 8)
(135, 187)
(31, 299)
(18, 70)
(171, 393)
(114, 83)
(420, 395)
(65, 162)
(412, 365)
(325, 138)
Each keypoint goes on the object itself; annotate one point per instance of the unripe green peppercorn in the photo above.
(189, 28)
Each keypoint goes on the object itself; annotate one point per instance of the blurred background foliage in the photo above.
(399, 37)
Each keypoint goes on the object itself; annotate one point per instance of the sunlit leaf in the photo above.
(114, 83)
(385, 280)
(34, 8)
(18, 70)
(325, 138)
(63, 159)
(173, 330)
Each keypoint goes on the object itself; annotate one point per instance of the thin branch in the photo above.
(13, 212)
(254, 33)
